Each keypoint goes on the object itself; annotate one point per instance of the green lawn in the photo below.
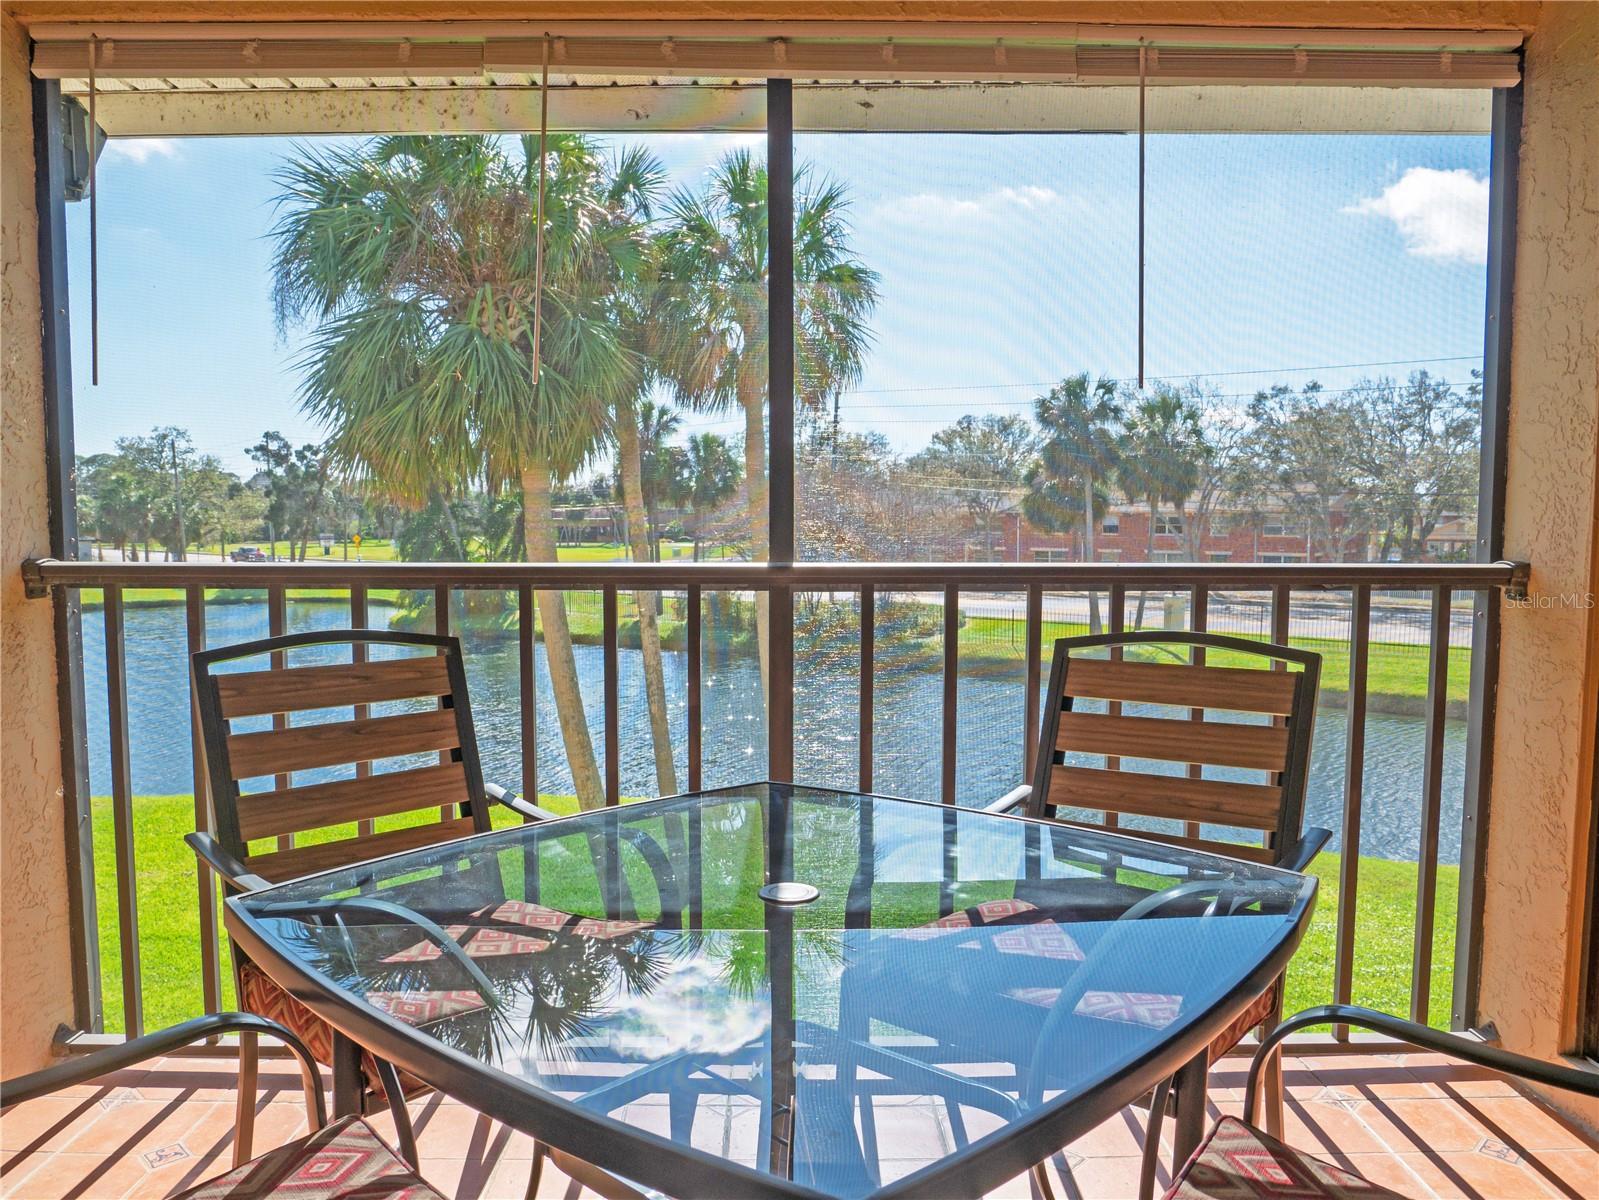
(169, 922)
(1393, 668)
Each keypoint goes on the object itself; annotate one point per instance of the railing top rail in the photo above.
(41, 575)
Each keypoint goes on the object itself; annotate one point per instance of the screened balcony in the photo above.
(1111, 330)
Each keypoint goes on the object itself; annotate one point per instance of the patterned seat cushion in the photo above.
(1240, 1162)
(344, 1161)
(258, 993)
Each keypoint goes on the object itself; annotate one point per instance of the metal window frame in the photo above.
(1503, 174)
(61, 474)
(61, 466)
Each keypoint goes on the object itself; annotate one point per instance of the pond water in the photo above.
(906, 731)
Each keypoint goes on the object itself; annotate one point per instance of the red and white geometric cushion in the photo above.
(344, 1161)
(1036, 939)
(1152, 1009)
(486, 941)
(1240, 1162)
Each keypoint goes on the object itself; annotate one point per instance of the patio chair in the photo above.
(342, 1161)
(1278, 704)
(251, 843)
(1238, 1160)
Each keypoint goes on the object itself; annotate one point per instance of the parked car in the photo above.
(248, 554)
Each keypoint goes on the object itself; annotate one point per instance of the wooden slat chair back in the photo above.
(1276, 691)
(449, 783)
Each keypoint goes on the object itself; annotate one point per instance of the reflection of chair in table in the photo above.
(1021, 989)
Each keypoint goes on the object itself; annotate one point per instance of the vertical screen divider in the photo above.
(358, 654)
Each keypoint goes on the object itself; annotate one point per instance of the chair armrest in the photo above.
(1536, 1070)
(516, 804)
(165, 1041)
(224, 864)
(1012, 799)
(1303, 852)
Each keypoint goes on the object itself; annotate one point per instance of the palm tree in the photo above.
(413, 258)
(1077, 453)
(714, 277)
(1160, 457)
(714, 476)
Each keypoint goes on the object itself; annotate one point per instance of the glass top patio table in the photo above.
(616, 984)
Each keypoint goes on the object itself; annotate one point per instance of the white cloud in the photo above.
(142, 150)
(940, 208)
(1440, 214)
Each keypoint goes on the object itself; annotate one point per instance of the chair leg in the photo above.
(1273, 1075)
(244, 1112)
(1151, 1156)
(537, 1171)
(1041, 1181)
(404, 1132)
(1191, 1086)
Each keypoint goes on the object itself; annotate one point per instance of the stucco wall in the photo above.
(35, 983)
(1542, 787)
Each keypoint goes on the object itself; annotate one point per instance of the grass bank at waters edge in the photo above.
(169, 922)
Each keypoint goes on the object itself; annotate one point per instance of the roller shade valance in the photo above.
(1098, 55)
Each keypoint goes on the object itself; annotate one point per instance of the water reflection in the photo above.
(906, 730)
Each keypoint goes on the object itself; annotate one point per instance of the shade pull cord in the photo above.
(538, 232)
(94, 224)
(1142, 81)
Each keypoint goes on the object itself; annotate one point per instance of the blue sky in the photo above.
(1007, 261)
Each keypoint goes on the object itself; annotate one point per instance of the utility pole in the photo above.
(177, 501)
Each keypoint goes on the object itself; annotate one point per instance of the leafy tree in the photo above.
(415, 259)
(297, 488)
(1306, 452)
(714, 474)
(1420, 450)
(714, 284)
(982, 460)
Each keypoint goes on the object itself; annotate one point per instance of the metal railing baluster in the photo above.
(1354, 787)
(358, 620)
(696, 711)
(277, 626)
(1034, 650)
(868, 686)
(1431, 806)
(613, 748)
(527, 686)
(1198, 621)
(116, 687)
(951, 694)
(206, 888)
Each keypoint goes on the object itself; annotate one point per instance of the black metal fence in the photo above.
(1015, 604)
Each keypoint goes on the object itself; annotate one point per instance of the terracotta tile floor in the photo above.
(1413, 1123)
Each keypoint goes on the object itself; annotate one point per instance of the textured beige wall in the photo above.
(35, 982)
(1542, 790)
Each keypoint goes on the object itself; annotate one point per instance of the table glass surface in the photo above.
(625, 963)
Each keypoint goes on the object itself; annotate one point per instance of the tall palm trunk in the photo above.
(752, 397)
(631, 459)
(538, 531)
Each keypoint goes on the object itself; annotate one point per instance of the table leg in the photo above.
(346, 1076)
(1190, 1089)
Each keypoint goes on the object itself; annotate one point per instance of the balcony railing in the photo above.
(1431, 589)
